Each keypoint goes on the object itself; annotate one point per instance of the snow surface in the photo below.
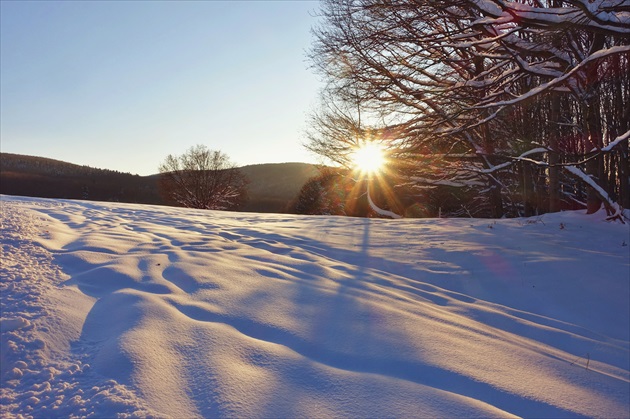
(129, 310)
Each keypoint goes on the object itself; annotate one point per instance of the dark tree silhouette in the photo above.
(202, 178)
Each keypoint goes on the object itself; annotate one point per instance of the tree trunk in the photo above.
(528, 191)
(594, 167)
(622, 120)
(554, 157)
(624, 175)
(494, 194)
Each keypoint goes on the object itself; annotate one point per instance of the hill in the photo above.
(271, 188)
(48, 178)
(126, 310)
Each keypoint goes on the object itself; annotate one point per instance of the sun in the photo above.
(369, 158)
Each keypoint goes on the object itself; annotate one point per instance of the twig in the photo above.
(588, 360)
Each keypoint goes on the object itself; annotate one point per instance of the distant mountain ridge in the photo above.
(272, 186)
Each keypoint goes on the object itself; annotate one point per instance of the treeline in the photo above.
(485, 108)
(50, 167)
(338, 191)
(48, 178)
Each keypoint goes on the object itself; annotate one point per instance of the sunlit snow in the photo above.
(127, 310)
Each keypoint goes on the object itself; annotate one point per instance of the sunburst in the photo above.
(369, 158)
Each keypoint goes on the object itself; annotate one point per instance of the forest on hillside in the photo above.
(49, 178)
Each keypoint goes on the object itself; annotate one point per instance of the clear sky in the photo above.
(121, 84)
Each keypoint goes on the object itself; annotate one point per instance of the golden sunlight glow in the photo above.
(369, 158)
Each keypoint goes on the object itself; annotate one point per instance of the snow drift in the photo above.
(130, 310)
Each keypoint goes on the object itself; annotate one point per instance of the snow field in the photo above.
(39, 376)
(119, 310)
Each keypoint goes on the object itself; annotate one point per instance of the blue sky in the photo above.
(122, 84)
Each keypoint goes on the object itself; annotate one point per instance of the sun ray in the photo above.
(369, 158)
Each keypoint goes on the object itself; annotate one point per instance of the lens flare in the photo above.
(369, 158)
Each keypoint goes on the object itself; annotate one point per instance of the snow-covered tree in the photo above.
(202, 178)
(526, 101)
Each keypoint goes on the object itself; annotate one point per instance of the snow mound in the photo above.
(128, 310)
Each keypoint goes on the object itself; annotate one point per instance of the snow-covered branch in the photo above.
(380, 211)
(614, 143)
(620, 49)
(596, 16)
(615, 212)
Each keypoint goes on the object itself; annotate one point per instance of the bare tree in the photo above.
(523, 100)
(202, 178)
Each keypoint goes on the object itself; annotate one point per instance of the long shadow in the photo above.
(362, 263)
(344, 308)
(416, 372)
(102, 325)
